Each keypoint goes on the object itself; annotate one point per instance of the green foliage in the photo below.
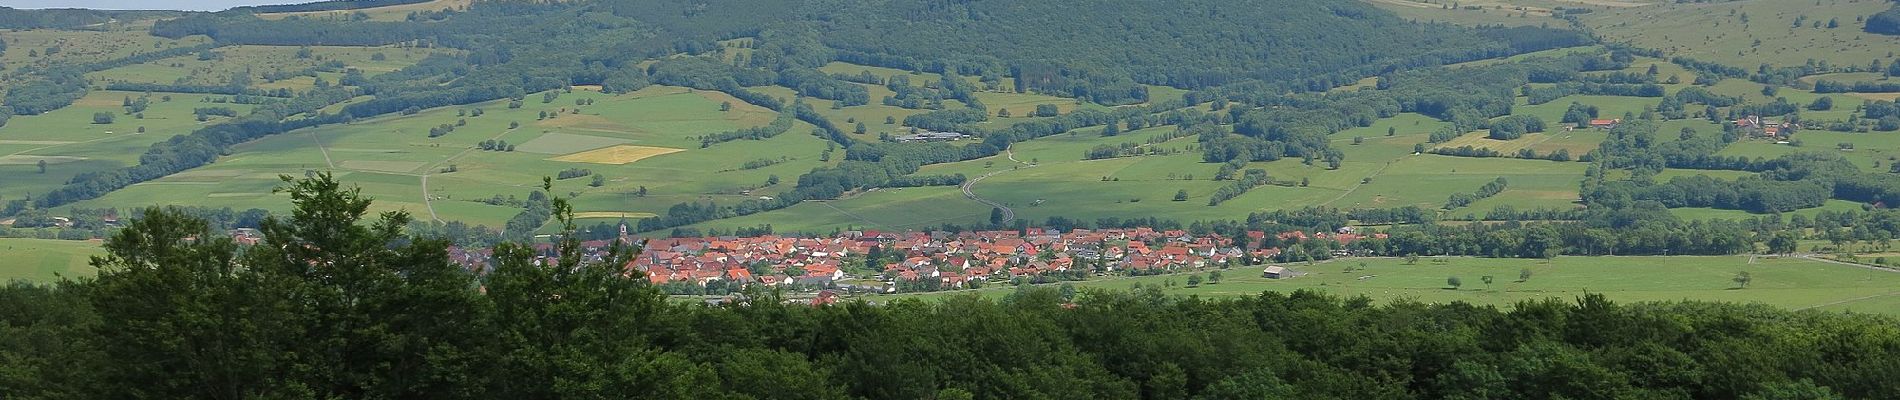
(332, 306)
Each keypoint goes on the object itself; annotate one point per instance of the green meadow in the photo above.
(28, 47)
(71, 143)
(390, 157)
(1749, 33)
(254, 62)
(1792, 283)
(45, 260)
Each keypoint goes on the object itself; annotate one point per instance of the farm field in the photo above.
(72, 143)
(46, 260)
(893, 209)
(1741, 33)
(1791, 283)
(389, 13)
(391, 157)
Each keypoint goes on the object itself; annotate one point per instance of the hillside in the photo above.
(952, 199)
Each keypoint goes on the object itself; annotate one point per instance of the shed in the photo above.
(1273, 272)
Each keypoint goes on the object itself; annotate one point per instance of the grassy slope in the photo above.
(73, 144)
(43, 260)
(388, 156)
(1715, 32)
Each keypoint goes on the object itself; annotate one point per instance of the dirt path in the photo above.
(428, 202)
(1835, 303)
(1356, 186)
(23, 152)
(850, 214)
(1009, 215)
(1811, 257)
(322, 149)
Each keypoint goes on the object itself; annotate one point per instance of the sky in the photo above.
(190, 5)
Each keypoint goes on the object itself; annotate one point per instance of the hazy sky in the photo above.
(193, 5)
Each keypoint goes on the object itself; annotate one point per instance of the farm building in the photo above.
(1273, 272)
(929, 136)
(1605, 123)
(1755, 125)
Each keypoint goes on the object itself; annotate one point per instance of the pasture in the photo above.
(73, 143)
(449, 177)
(29, 47)
(1750, 33)
(46, 260)
(1791, 283)
(255, 62)
(389, 13)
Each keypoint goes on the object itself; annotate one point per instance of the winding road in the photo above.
(1009, 215)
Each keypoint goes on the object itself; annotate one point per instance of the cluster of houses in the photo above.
(1756, 126)
(943, 259)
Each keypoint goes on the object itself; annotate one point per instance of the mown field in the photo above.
(1783, 282)
(44, 260)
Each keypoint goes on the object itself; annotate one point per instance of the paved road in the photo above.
(1009, 215)
(426, 201)
(1812, 257)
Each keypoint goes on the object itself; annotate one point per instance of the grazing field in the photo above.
(73, 143)
(1576, 142)
(1703, 213)
(1792, 283)
(566, 143)
(29, 47)
(886, 209)
(390, 13)
(390, 157)
(255, 62)
(1486, 12)
(1749, 33)
(45, 260)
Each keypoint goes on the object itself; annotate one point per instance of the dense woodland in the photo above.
(333, 305)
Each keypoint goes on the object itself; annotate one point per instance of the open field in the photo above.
(73, 144)
(390, 13)
(1488, 12)
(390, 157)
(44, 260)
(1576, 142)
(28, 47)
(1749, 33)
(616, 155)
(1782, 282)
(887, 209)
(256, 61)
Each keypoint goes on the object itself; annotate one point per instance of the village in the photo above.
(874, 262)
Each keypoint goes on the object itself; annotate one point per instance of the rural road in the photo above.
(426, 201)
(1812, 257)
(1009, 215)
